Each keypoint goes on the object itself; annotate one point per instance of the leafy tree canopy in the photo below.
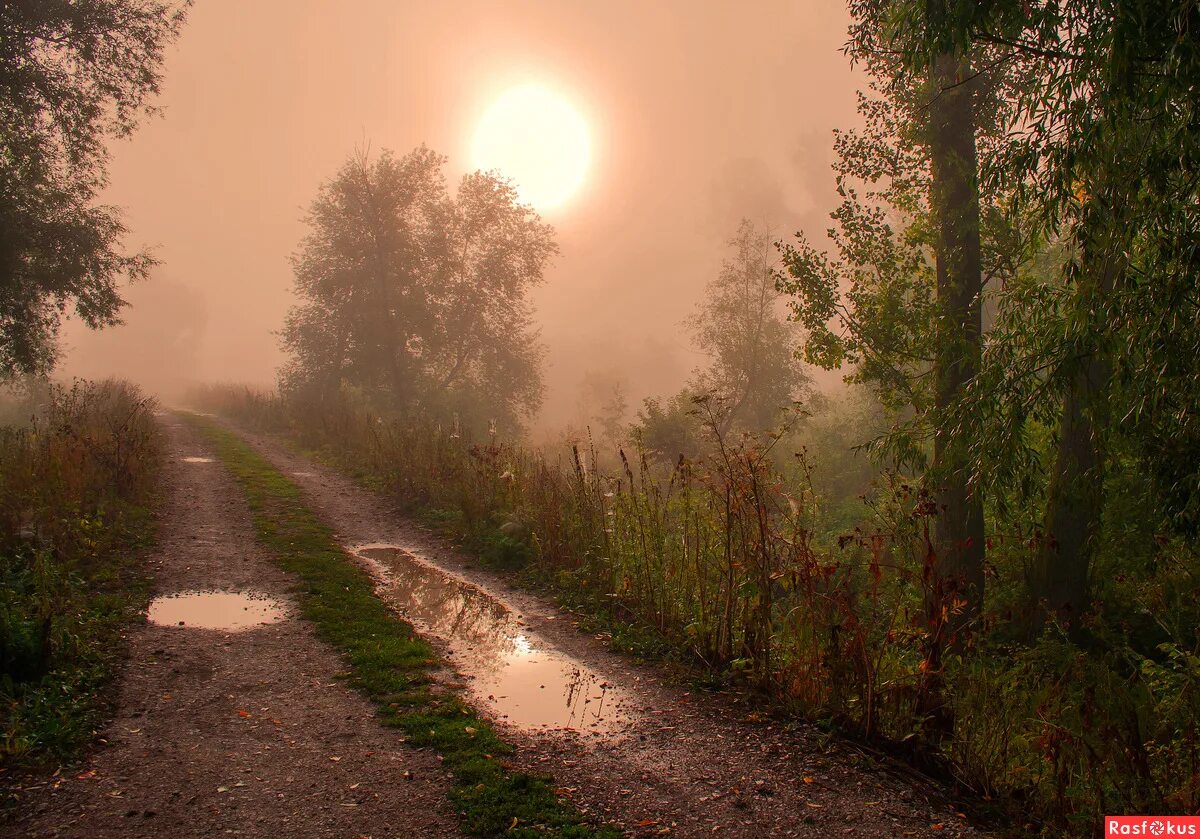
(72, 75)
(418, 296)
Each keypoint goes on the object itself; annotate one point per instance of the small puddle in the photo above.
(231, 611)
(195, 459)
(526, 684)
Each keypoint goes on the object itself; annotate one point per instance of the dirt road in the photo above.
(235, 733)
(695, 764)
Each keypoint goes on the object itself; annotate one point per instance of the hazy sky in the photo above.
(701, 113)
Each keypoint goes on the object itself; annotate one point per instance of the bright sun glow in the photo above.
(537, 139)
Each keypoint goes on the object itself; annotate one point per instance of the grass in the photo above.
(391, 664)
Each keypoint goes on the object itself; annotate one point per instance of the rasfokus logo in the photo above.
(1152, 826)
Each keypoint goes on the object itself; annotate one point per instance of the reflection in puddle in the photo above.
(228, 610)
(197, 460)
(526, 684)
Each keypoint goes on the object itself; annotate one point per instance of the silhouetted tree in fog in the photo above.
(742, 326)
(416, 296)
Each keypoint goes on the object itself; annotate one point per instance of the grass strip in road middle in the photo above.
(389, 662)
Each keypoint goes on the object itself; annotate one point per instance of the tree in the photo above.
(742, 326)
(1103, 156)
(419, 297)
(916, 244)
(668, 428)
(954, 198)
(72, 76)
(604, 405)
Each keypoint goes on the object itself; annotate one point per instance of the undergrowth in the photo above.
(78, 469)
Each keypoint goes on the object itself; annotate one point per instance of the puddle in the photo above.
(231, 611)
(525, 683)
(197, 460)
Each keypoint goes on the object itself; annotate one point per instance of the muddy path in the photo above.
(670, 760)
(233, 733)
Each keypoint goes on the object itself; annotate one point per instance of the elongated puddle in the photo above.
(526, 684)
(196, 459)
(231, 611)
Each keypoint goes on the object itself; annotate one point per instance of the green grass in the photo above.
(391, 664)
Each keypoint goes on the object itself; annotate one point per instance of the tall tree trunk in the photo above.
(1075, 497)
(956, 587)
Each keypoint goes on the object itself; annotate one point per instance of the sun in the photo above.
(539, 140)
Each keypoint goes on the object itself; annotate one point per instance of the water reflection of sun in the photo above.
(522, 646)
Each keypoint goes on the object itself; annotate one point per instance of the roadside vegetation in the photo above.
(726, 564)
(78, 470)
(391, 665)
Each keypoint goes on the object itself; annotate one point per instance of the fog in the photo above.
(699, 117)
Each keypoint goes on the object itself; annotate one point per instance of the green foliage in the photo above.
(75, 74)
(390, 664)
(73, 488)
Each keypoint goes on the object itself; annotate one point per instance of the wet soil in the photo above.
(678, 761)
(233, 733)
(512, 675)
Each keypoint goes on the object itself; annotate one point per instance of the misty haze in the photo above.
(599, 419)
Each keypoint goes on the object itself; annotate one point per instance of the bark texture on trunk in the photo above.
(957, 567)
